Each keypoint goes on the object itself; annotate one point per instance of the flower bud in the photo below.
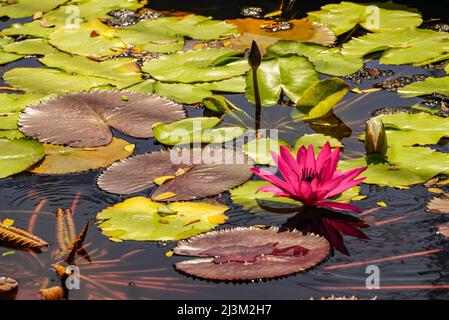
(375, 137)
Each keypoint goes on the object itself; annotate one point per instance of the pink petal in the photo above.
(338, 206)
(322, 156)
(268, 176)
(341, 180)
(329, 167)
(301, 158)
(343, 187)
(310, 160)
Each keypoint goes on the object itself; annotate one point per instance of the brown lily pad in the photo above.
(302, 30)
(190, 173)
(438, 205)
(249, 253)
(84, 119)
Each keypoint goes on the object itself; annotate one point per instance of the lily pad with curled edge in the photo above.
(25, 8)
(121, 73)
(326, 60)
(426, 87)
(319, 99)
(400, 46)
(195, 130)
(196, 92)
(30, 47)
(405, 129)
(197, 66)
(247, 196)
(438, 205)
(91, 38)
(47, 81)
(62, 160)
(377, 17)
(292, 75)
(18, 155)
(196, 173)
(84, 119)
(302, 30)
(249, 253)
(142, 219)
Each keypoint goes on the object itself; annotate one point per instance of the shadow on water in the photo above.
(142, 270)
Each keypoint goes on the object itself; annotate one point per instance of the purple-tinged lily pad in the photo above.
(190, 173)
(249, 253)
(84, 119)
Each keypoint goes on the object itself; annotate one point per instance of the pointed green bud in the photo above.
(375, 137)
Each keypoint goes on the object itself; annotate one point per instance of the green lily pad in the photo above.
(30, 47)
(194, 93)
(411, 46)
(32, 29)
(11, 102)
(25, 8)
(146, 86)
(426, 87)
(63, 160)
(293, 75)
(403, 166)
(121, 73)
(142, 219)
(8, 121)
(195, 130)
(18, 155)
(88, 10)
(92, 38)
(6, 57)
(260, 149)
(326, 60)
(319, 99)
(196, 66)
(246, 196)
(344, 16)
(46, 80)
(11, 134)
(405, 129)
(318, 140)
(152, 36)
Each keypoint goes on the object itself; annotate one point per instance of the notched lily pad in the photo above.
(83, 119)
(245, 254)
(142, 219)
(62, 160)
(198, 173)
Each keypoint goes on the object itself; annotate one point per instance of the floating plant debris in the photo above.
(22, 239)
(443, 229)
(205, 172)
(8, 288)
(395, 84)
(252, 12)
(333, 297)
(243, 254)
(142, 219)
(86, 123)
(369, 74)
(52, 293)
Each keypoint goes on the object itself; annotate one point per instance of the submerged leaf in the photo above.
(377, 17)
(293, 75)
(250, 254)
(196, 66)
(63, 160)
(86, 122)
(209, 172)
(20, 238)
(139, 219)
(18, 155)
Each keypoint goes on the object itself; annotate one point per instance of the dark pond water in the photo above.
(142, 270)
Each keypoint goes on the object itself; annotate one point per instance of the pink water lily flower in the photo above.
(310, 180)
